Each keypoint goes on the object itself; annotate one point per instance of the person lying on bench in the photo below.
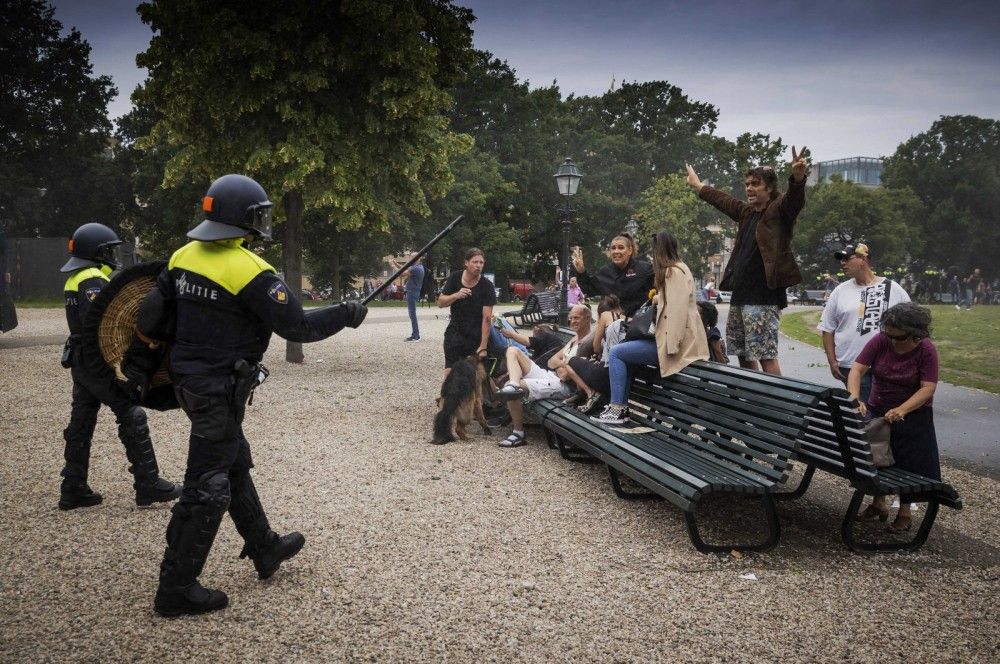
(679, 335)
(588, 369)
(537, 378)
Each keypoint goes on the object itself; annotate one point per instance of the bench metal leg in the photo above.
(847, 529)
(800, 490)
(774, 532)
(628, 495)
(573, 453)
(549, 438)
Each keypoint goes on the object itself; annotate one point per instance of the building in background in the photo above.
(865, 171)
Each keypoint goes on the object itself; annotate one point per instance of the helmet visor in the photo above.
(261, 219)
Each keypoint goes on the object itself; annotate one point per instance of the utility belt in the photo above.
(72, 343)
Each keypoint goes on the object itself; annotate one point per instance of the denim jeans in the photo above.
(411, 308)
(501, 341)
(621, 357)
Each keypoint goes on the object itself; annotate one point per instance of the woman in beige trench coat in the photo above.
(679, 334)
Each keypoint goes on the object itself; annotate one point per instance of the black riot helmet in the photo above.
(234, 205)
(92, 245)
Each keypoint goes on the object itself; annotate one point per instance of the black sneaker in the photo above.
(162, 491)
(189, 600)
(411, 339)
(78, 495)
(275, 551)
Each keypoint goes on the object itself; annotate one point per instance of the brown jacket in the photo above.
(680, 334)
(774, 232)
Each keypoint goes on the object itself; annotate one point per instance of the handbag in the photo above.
(643, 324)
(877, 430)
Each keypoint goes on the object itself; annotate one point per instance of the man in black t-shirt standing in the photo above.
(762, 265)
(471, 298)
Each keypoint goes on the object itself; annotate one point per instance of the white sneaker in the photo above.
(612, 415)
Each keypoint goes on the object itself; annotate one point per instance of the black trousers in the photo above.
(219, 458)
(89, 393)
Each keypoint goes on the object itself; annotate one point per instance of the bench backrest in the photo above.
(548, 302)
(749, 419)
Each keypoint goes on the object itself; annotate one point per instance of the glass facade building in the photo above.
(860, 170)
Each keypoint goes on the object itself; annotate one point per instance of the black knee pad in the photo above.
(134, 423)
(213, 491)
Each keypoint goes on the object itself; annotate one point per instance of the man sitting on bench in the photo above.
(532, 379)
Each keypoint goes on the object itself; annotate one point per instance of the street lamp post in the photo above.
(568, 181)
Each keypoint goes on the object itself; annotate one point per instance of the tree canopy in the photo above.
(954, 168)
(54, 132)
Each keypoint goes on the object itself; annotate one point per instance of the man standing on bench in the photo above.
(762, 264)
(537, 378)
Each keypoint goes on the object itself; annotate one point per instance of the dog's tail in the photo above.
(444, 419)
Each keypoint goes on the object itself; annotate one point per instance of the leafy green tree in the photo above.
(670, 205)
(55, 156)
(954, 168)
(841, 213)
(334, 105)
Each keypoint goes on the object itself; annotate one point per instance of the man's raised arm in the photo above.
(726, 204)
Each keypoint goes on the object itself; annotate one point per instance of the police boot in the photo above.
(74, 491)
(149, 486)
(189, 539)
(264, 546)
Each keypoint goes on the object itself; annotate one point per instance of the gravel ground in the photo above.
(463, 552)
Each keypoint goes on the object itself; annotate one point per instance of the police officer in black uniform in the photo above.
(226, 301)
(92, 260)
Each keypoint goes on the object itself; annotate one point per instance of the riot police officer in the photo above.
(92, 260)
(225, 302)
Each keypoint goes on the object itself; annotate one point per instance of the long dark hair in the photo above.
(665, 256)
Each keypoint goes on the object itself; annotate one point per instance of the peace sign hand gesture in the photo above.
(799, 166)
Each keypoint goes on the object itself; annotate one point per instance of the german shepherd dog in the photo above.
(462, 399)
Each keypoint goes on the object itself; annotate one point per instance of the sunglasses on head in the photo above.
(896, 337)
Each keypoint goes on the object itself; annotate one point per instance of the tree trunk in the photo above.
(335, 288)
(292, 256)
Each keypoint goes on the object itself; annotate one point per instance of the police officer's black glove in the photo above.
(356, 313)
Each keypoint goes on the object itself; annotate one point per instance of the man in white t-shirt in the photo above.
(853, 313)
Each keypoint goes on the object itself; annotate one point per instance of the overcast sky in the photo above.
(850, 78)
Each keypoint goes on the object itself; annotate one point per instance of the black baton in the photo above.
(427, 247)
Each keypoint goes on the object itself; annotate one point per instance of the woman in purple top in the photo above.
(904, 366)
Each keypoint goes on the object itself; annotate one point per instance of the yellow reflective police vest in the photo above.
(225, 262)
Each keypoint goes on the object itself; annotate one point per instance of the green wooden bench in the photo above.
(834, 442)
(723, 429)
(714, 431)
(538, 308)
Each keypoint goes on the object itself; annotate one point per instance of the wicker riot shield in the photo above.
(109, 328)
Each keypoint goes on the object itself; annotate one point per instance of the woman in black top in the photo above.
(471, 298)
(625, 276)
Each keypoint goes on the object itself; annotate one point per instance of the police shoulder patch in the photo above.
(92, 293)
(278, 292)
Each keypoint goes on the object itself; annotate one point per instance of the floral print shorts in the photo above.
(752, 331)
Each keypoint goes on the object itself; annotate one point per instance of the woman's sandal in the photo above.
(590, 403)
(514, 440)
(573, 400)
(873, 512)
(901, 525)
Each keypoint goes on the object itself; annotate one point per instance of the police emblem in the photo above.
(278, 293)
(92, 293)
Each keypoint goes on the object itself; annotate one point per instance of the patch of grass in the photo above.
(39, 303)
(968, 342)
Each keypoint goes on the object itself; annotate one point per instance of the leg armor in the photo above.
(134, 434)
(190, 535)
